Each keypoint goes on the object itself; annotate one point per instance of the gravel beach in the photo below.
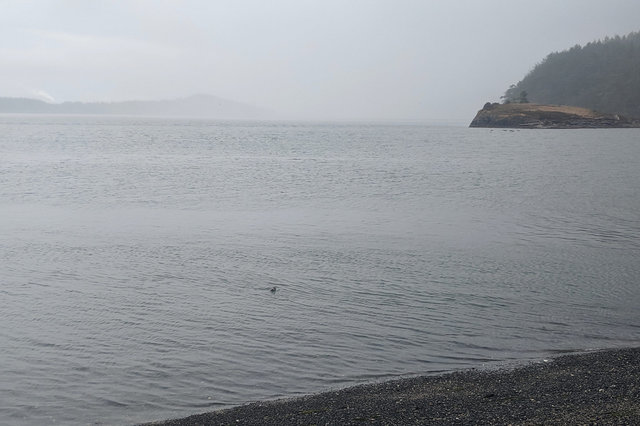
(589, 388)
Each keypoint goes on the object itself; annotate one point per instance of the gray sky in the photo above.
(325, 59)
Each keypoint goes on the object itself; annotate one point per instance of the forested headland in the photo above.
(603, 75)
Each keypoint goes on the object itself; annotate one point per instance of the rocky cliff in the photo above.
(536, 116)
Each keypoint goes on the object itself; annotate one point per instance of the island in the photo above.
(196, 106)
(539, 116)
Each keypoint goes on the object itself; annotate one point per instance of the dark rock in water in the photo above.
(536, 116)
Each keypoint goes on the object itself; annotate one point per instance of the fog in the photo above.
(321, 60)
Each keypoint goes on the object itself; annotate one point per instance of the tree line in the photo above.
(603, 75)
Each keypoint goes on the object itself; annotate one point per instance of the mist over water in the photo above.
(138, 255)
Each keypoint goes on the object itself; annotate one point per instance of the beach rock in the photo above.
(537, 116)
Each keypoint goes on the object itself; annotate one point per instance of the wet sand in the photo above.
(589, 388)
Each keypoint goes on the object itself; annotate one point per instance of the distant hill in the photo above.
(205, 106)
(603, 75)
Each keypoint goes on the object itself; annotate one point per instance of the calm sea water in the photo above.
(138, 256)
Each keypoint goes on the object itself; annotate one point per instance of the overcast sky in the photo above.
(326, 59)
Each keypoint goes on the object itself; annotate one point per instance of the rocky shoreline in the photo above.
(537, 116)
(600, 387)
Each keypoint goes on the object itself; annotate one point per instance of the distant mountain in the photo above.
(603, 75)
(204, 106)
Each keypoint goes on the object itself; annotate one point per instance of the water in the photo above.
(137, 257)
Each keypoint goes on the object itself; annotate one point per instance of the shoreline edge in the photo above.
(599, 387)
